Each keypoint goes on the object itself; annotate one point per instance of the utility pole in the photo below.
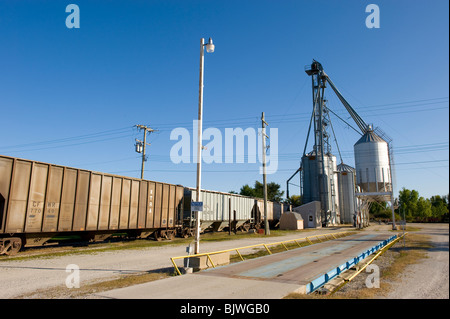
(264, 136)
(140, 145)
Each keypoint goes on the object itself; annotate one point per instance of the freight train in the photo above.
(39, 201)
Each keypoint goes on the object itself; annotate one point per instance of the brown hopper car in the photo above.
(39, 201)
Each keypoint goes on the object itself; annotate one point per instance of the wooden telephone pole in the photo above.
(264, 136)
(141, 145)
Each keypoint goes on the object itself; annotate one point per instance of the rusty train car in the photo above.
(39, 201)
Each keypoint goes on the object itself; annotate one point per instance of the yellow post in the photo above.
(210, 260)
(267, 249)
(175, 266)
(240, 255)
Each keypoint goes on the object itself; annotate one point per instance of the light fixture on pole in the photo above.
(209, 48)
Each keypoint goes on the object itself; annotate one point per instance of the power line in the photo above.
(295, 117)
(251, 121)
(96, 135)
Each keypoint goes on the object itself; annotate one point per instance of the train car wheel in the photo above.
(11, 246)
(186, 233)
(171, 234)
(157, 235)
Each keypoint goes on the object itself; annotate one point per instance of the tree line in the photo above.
(414, 208)
(417, 208)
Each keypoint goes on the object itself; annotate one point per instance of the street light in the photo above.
(209, 48)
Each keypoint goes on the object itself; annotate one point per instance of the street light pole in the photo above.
(209, 48)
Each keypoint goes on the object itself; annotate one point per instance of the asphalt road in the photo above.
(19, 277)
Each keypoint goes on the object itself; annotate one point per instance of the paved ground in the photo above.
(19, 277)
(271, 277)
(427, 279)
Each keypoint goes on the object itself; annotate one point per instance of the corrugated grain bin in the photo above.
(372, 163)
(347, 198)
(328, 193)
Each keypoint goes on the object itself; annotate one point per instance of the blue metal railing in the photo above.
(323, 279)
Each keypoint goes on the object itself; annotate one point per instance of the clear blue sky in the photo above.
(72, 96)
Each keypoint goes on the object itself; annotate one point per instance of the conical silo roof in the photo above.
(345, 168)
(370, 136)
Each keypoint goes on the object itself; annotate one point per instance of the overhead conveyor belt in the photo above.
(358, 120)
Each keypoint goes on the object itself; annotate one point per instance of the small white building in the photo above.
(311, 215)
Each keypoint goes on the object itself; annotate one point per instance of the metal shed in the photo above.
(291, 221)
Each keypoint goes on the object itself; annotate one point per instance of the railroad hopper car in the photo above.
(221, 210)
(274, 211)
(39, 201)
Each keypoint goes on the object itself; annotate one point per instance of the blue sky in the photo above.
(72, 96)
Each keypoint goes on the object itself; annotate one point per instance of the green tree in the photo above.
(380, 210)
(416, 207)
(294, 200)
(439, 206)
(273, 191)
(408, 203)
(423, 208)
(247, 191)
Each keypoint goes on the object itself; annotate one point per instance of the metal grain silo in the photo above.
(310, 178)
(347, 198)
(327, 194)
(372, 163)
